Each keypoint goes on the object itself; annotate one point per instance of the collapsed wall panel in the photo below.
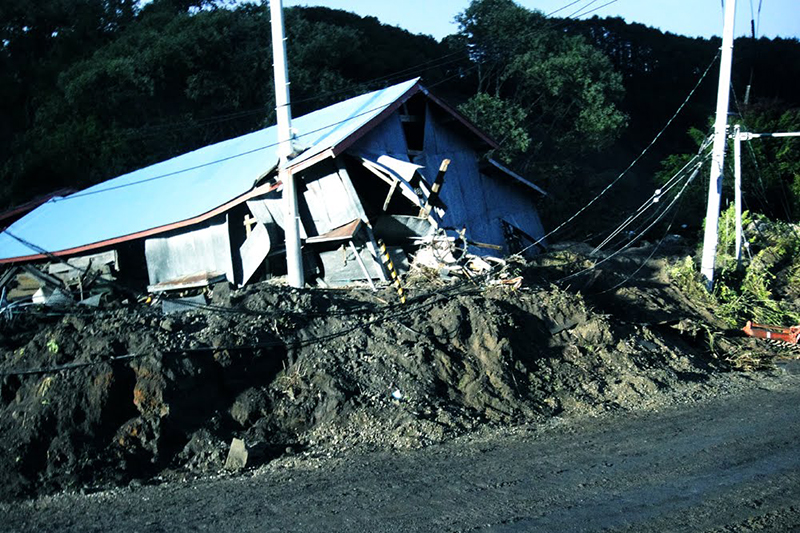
(254, 251)
(341, 266)
(204, 249)
(328, 199)
(475, 201)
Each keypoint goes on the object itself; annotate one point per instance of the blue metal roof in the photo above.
(187, 187)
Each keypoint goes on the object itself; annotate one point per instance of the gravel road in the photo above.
(730, 463)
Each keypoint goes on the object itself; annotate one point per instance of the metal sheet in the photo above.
(400, 168)
(328, 199)
(390, 177)
(193, 281)
(340, 266)
(76, 267)
(254, 250)
(268, 209)
(261, 208)
(398, 228)
(342, 233)
(517, 177)
(207, 249)
(186, 186)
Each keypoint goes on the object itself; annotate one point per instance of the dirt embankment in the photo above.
(314, 370)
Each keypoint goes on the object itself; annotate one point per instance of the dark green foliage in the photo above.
(502, 120)
(90, 89)
(549, 97)
(771, 166)
(562, 91)
(171, 77)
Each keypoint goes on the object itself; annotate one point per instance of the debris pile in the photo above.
(97, 397)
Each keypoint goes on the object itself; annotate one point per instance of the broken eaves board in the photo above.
(342, 233)
(193, 281)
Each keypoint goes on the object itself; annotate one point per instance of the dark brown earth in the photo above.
(729, 463)
(301, 375)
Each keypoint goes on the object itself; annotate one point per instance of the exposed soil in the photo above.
(304, 373)
(728, 463)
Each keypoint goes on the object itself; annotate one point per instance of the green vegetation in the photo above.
(90, 89)
(749, 291)
(548, 97)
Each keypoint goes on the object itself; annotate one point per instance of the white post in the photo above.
(283, 110)
(737, 166)
(718, 152)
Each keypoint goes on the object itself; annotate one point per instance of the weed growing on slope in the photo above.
(746, 290)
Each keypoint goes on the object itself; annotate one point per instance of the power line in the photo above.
(576, 13)
(635, 161)
(596, 9)
(245, 113)
(216, 161)
(654, 199)
(562, 8)
(758, 20)
(641, 234)
(698, 161)
(649, 257)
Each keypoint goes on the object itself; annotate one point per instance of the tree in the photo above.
(560, 90)
(168, 78)
(770, 167)
(502, 120)
(38, 40)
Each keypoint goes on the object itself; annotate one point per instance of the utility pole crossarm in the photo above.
(749, 136)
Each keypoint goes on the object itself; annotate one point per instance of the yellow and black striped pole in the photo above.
(387, 261)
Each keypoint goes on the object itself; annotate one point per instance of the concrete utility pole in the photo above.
(737, 170)
(718, 151)
(294, 254)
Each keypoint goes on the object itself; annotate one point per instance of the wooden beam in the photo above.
(362, 265)
(375, 169)
(249, 222)
(435, 188)
(389, 196)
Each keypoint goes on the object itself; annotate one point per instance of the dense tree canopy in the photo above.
(90, 89)
(561, 91)
(95, 88)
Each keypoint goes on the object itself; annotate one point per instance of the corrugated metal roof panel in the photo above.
(187, 186)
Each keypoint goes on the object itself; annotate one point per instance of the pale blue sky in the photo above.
(686, 17)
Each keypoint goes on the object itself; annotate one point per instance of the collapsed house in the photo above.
(396, 166)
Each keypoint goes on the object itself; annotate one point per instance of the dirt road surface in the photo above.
(730, 463)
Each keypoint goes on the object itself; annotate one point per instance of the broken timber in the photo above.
(435, 188)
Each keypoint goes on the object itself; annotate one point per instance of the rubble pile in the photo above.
(95, 397)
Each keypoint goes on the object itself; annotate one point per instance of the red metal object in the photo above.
(778, 333)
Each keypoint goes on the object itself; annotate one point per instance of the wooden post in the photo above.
(435, 188)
